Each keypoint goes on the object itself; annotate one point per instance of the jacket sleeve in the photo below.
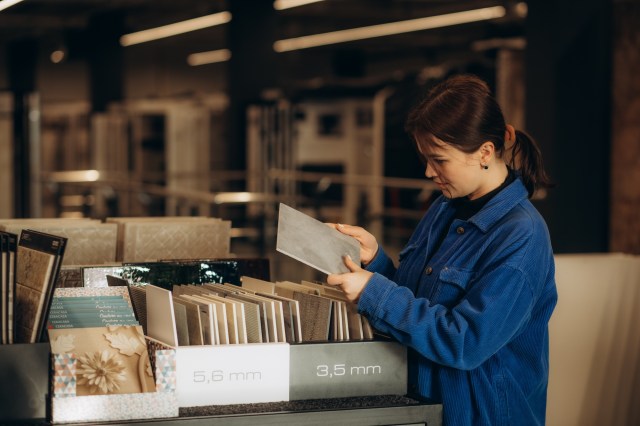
(382, 264)
(462, 336)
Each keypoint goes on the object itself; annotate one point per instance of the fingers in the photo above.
(350, 230)
(353, 231)
(353, 267)
(334, 279)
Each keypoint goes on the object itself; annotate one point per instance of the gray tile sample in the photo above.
(314, 243)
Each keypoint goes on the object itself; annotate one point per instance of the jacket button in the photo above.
(428, 270)
(460, 230)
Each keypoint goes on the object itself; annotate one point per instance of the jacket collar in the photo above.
(501, 204)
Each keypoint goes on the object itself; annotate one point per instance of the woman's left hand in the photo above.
(352, 283)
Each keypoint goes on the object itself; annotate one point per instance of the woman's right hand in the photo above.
(368, 243)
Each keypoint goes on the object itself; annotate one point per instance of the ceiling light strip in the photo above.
(209, 57)
(175, 29)
(4, 4)
(288, 4)
(391, 28)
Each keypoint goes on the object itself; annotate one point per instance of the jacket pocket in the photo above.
(453, 285)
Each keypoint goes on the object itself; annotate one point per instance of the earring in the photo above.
(484, 166)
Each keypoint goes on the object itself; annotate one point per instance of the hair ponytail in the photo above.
(461, 112)
(527, 158)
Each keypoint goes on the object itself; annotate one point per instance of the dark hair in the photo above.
(462, 112)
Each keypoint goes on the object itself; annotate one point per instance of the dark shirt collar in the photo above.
(465, 208)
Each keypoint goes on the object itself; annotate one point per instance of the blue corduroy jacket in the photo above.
(475, 313)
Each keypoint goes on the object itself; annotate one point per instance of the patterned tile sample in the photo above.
(176, 240)
(315, 314)
(122, 221)
(165, 368)
(64, 375)
(88, 243)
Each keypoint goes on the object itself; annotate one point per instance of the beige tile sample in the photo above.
(161, 321)
(257, 285)
(194, 323)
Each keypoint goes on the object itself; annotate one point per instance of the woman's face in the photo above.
(456, 173)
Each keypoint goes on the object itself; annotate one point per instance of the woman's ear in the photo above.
(487, 151)
(509, 135)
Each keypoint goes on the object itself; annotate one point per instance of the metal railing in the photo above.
(98, 194)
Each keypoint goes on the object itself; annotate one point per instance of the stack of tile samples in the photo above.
(163, 274)
(257, 312)
(325, 313)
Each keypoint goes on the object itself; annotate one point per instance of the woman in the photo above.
(474, 289)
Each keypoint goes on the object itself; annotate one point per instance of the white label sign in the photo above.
(232, 374)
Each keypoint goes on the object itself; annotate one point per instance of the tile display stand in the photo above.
(320, 374)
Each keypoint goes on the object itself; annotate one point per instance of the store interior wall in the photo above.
(625, 129)
(594, 344)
